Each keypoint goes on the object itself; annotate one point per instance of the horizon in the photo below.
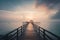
(14, 12)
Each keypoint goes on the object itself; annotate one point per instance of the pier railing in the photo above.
(44, 34)
(15, 34)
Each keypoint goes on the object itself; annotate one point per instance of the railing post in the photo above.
(17, 33)
(21, 30)
(6, 38)
(39, 31)
(58, 38)
(44, 34)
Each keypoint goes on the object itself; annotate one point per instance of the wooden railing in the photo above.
(15, 34)
(44, 34)
(41, 33)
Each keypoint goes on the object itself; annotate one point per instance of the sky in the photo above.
(14, 12)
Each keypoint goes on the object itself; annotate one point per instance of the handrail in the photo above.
(50, 32)
(15, 33)
(42, 33)
(49, 36)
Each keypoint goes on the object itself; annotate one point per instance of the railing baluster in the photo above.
(39, 31)
(43, 34)
(17, 33)
(21, 30)
(6, 37)
(46, 35)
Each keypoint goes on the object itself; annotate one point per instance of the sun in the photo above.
(29, 17)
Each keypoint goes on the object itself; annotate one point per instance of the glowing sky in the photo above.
(24, 10)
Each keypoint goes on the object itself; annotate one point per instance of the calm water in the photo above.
(54, 27)
(6, 27)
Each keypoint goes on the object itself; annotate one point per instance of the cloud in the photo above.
(9, 4)
(10, 16)
(12, 4)
(51, 6)
(49, 3)
(9, 20)
(57, 16)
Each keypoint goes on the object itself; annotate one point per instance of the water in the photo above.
(6, 27)
(55, 27)
(52, 26)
